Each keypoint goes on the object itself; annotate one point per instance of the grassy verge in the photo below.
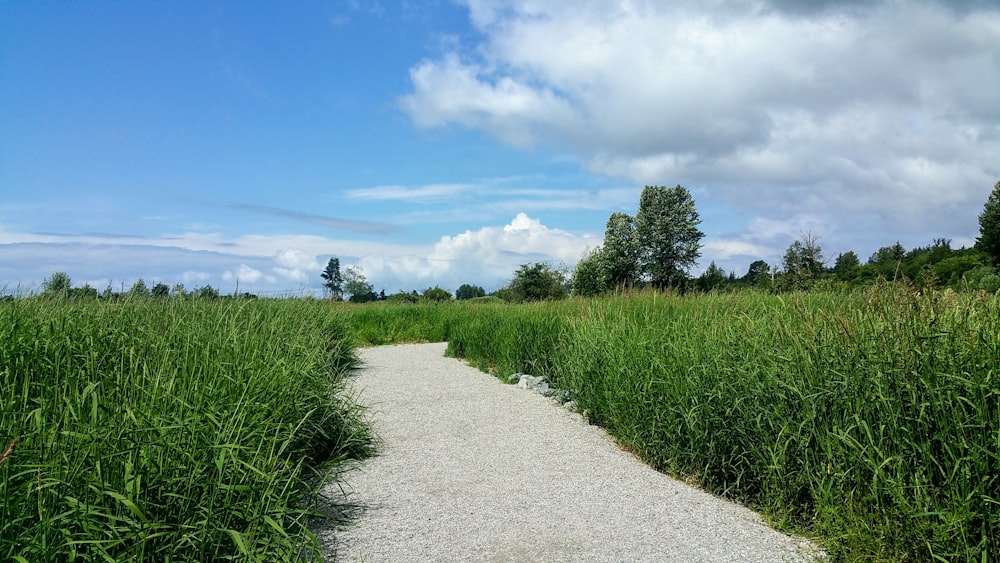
(166, 430)
(869, 419)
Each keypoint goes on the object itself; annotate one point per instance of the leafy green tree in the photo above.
(667, 224)
(713, 277)
(889, 260)
(207, 292)
(58, 285)
(160, 290)
(589, 277)
(989, 227)
(804, 257)
(178, 291)
(621, 252)
(334, 281)
(467, 291)
(403, 297)
(846, 265)
(537, 282)
(437, 294)
(139, 289)
(356, 285)
(759, 273)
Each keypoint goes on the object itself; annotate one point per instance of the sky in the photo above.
(242, 145)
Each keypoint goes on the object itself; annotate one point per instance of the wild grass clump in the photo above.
(870, 419)
(373, 324)
(162, 430)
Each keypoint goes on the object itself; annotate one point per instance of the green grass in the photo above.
(169, 430)
(871, 420)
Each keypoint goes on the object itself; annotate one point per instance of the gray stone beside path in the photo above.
(471, 469)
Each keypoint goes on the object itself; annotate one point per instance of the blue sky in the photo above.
(440, 143)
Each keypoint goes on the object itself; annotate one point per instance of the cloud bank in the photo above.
(870, 119)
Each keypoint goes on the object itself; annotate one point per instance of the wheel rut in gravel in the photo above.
(472, 469)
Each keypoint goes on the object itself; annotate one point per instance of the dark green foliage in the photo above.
(989, 227)
(58, 285)
(467, 291)
(538, 282)
(589, 275)
(713, 278)
(667, 227)
(437, 295)
(333, 281)
(621, 254)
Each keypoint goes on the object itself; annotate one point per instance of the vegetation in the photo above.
(870, 418)
(160, 430)
(989, 227)
(333, 282)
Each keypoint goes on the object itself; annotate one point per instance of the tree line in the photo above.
(656, 248)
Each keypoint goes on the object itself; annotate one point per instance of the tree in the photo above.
(804, 257)
(667, 225)
(357, 286)
(538, 282)
(160, 290)
(621, 252)
(589, 277)
(139, 289)
(436, 294)
(712, 278)
(989, 227)
(846, 265)
(58, 285)
(207, 292)
(466, 291)
(178, 290)
(334, 281)
(888, 260)
(759, 273)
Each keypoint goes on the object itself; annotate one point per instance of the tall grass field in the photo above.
(169, 430)
(870, 420)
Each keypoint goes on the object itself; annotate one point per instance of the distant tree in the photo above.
(58, 285)
(207, 292)
(356, 285)
(160, 290)
(804, 257)
(621, 254)
(759, 273)
(537, 282)
(334, 281)
(989, 227)
(85, 292)
(403, 297)
(436, 294)
(888, 260)
(589, 276)
(846, 264)
(667, 224)
(139, 289)
(178, 290)
(108, 292)
(466, 291)
(713, 277)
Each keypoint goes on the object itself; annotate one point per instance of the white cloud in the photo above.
(859, 115)
(246, 274)
(431, 191)
(487, 256)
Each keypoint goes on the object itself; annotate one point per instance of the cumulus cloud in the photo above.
(487, 256)
(859, 114)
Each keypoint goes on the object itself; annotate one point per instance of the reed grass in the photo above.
(868, 419)
(163, 430)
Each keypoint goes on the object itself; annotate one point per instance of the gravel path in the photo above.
(472, 469)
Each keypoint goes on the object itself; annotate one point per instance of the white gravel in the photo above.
(471, 469)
